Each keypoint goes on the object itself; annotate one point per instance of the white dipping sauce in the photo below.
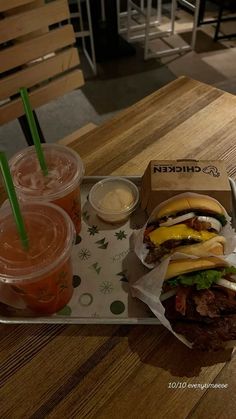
(114, 199)
(117, 199)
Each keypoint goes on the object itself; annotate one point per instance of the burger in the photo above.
(190, 225)
(199, 297)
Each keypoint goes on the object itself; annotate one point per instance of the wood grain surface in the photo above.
(184, 119)
(26, 22)
(38, 72)
(32, 49)
(52, 90)
(103, 372)
(4, 5)
(25, 37)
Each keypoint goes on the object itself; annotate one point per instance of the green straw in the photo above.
(33, 129)
(13, 200)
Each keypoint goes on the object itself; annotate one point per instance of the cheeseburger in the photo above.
(190, 225)
(199, 297)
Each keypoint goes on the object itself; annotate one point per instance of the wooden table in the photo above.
(59, 371)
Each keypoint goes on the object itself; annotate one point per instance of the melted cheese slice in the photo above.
(178, 232)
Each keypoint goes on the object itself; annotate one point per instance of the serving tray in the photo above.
(103, 263)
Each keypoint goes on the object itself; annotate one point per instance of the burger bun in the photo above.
(183, 266)
(197, 202)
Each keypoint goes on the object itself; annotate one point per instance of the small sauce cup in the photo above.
(114, 199)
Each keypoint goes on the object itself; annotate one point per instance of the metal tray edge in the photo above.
(75, 320)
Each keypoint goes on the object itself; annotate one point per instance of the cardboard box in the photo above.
(166, 178)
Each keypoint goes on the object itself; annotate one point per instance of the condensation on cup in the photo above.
(62, 184)
(40, 277)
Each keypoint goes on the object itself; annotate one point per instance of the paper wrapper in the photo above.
(149, 287)
(227, 231)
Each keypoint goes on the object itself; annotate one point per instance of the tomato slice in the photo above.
(181, 300)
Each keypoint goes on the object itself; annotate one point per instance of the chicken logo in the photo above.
(211, 170)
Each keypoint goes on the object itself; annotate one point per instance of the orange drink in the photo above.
(62, 184)
(42, 275)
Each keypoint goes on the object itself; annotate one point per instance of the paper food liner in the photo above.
(227, 231)
(149, 287)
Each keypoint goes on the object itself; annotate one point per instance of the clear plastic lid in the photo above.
(114, 195)
(66, 171)
(51, 235)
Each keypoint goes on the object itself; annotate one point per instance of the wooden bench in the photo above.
(37, 52)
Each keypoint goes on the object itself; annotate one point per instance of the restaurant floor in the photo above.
(123, 82)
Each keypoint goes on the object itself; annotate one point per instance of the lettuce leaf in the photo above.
(229, 270)
(201, 279)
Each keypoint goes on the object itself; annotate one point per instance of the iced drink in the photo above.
(41, 276)
(62, 184)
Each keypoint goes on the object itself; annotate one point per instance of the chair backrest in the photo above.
(36, 51)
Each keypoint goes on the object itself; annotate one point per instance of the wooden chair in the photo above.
(36, 51)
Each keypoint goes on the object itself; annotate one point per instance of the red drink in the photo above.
(62, 184)
(41, 276)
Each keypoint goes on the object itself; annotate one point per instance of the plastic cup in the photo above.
(62, 184)
(42, 275)
(114, 199)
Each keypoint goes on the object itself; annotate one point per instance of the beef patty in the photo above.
(209, 317)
